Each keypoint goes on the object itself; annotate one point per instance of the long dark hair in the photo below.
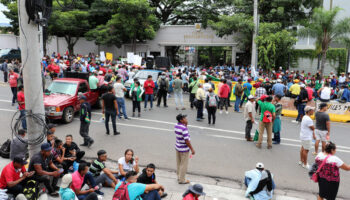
(132, 159)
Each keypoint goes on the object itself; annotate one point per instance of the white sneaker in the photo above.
(220, 111)
(307, 166)
(227, 112)
(294, 121)
(300, 163)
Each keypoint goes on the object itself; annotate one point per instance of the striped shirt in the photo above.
(96, 168)
(182, 134)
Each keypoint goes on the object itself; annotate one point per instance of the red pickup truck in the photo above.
(61, 98)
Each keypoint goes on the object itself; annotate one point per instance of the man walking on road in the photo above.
(22, 106)
(110, 109)
(307, 133)
(238, 93)
(249, 113)
(178, 85)
(200, 96)
(267, 117)
(4, 69)
(13, 84)
(119, 93)
(85, 119)
(323, 127)
(183, 147)
(163, 84)
(193, 87)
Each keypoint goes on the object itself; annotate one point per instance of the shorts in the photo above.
(306, 144)
(321, 135)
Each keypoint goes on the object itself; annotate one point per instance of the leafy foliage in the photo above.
(11, 14)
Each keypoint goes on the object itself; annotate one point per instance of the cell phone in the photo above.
(61, 170)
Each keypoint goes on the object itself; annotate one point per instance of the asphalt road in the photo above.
(220, 150)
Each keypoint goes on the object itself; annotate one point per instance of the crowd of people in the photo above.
(259, 91)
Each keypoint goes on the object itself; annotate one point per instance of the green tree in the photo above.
(11, 14)
(326, 28)
(69, 23)
(274, 45)
(134, 22)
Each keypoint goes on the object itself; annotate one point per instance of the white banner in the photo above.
(102, 56)
(137, 60)
(130, 57)
(335, 107)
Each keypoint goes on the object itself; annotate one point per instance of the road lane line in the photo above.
(7, 101)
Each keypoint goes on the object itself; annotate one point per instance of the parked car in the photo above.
(61, 98)
(10, 54)
(142, 77)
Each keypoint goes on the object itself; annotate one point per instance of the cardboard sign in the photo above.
(102, 56)
(130, 57)
(109, 56)
(335, 107)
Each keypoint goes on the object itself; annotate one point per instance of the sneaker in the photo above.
(117, 133)
(84, 145)
(164, 195)
(314, 153)
(99, 192)
(220, 111)
(165, 106)
(181, 109)
(90, 143)
(177, 108)
(139, 115)
(199, 119)
(307, 166)
(226, 112)
(275, 142)
(295, 121)
(127, 118)
(300, 163)
(107, 133)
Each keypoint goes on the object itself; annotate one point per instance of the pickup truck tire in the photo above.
(68, 115)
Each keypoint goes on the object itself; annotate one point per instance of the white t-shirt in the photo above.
(119, 92)
(206, 87)
(305, 131)
(249, 108)
(126, 166)
(332, 159)
(326, 93)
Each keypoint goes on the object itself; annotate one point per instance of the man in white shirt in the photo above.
(119, 93)
(342, 78)
(307, 132)
(249, 113)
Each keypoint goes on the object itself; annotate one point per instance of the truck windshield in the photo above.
(4, 51)
(57, 87)
(144, 75)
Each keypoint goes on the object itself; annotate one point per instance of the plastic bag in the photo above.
(102, 119)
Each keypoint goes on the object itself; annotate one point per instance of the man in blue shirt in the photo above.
(247, 89)
(4, 68)
(135, 190)
(346, 94)
(279, 88)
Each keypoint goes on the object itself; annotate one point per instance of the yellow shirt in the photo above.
(295, 89)
(200, 95)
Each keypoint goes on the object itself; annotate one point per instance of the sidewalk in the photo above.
(215, 189)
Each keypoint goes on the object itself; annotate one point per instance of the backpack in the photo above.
(162, 85)
(212, 101)
(265, 182)
(5, 149)
(31, 190)
(122, 192)
(267, 117)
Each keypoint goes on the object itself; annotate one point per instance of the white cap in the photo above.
(308, 108)
(259, 165)
(302, 85)
(279, 80)
(251, 97)
(100, 72)
(66, 180)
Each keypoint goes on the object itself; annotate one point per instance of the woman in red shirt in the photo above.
(13, 84)
(193, 192)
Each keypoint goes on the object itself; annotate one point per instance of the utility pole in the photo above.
(254, 49)
(331, 5)
(30, 54)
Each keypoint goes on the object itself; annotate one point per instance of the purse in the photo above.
(314, 177)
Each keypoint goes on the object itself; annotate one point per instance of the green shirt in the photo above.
(194, 86)
(93, 82)
(266, 106)
(177, 85)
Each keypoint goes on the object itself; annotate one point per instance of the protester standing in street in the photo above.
(136, 92)
(178, 86)
(85, 120)
(93, 81)
(268, 114)
(22, 106)
(249, 114)
(224, 92)
(183, 146)
(110, 109)
(323, 127)
(193, 87)
(13, 84)
(149, 87)
(200, 96)
(119, 93)
(276, 129)
(4, 68)
(302, 100)
(238, 94)
(247, 88)
(163, 85)
(212, 102)
(307, 133)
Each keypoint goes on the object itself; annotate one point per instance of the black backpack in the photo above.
(262, 183)
(5, 149)
(31, 190)
(162, 85)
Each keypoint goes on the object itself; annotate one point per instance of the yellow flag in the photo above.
(109, 56)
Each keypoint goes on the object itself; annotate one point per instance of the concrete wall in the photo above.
(9, 41)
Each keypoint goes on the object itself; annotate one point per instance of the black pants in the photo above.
(248, 129)
(113, 115)
(14, 94)
(243, 99)
(199, 109)
(192, 97)
(84, 132)
(90, 196)
(47, 181)
(185, 88)
(5, 76)
(211, 114)
(223, 102)
(15, 190)
(162, 93)
(136, 104)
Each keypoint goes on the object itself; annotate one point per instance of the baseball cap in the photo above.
(308, 108)
(296, 81)
(251, 97)
(180, 116)
(66, 180)
(259, 165)
(20, 160)
(100, 72)
(279, 80)
(46, 147)
(302, 85)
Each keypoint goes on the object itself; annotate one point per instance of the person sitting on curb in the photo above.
(148, 176)
(259, 183)
(128, 163)
(193, 192)
(10, 176)
(44, 169)
(19, 148)
(135, 190)
(79, 179)
(108, 177)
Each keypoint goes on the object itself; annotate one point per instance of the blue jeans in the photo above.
(113, 115)
(179, 99)
(121, 106)
(237, 103)
(24, 121)
(152, 195)
(150, 98)
(301, 111)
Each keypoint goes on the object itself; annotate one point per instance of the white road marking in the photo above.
(7, 101)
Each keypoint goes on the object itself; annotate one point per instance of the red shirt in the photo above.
(9, 174)
(56, 68)
(149, 86)
(310, 92)
(190, 197)
(77, 181)
(13, 79)
(224, 91)
(20, 98)
(103, 70)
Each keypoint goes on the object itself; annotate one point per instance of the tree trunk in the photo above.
(134, 46)
(323, 60)
(71, 44)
